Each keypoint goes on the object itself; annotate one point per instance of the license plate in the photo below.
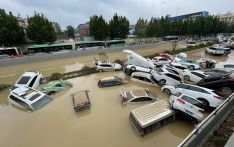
(188, 112)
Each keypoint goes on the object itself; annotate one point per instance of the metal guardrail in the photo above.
(199, 135)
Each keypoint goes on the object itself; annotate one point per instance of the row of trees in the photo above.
(39, 29)
(200, 26)
(116, 28)
(10, 31)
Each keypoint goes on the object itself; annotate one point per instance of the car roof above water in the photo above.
(152, 113)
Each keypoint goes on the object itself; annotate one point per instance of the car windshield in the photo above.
(24, 80)
(41, 102)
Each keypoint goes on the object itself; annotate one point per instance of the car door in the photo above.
(196, 77)
(182, 88)
(172, 79)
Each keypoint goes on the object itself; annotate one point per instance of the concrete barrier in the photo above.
(201, 132)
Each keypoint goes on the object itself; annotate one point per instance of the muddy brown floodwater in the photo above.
(105, 124)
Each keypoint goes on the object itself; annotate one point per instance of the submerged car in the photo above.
(30, 79)
(193, 75)
(110, 81)
(129, 69)
(218, 50)
(165, 55)
(81, 100)
(138, 95)
(107, 66)
(223, 83)
(188, 105)
(28, 98)
(207, 96)
(163, 76)
(55, 86)
(142, 77)
(182, 59)
(218, 72)
(161, 60)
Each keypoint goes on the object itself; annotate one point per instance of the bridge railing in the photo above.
(201, 132)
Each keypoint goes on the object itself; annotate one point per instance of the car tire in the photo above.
(133, 69)
(127, 71)
(167, 91)
(100, 70)
(226, 90)
(161, 82)
(205, 103)
(186, 78)
(191, 67)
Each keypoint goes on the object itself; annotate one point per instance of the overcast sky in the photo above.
(74, 12)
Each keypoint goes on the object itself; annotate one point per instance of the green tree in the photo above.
(10, 31)
(153, 28)
(40, 29)
(140, 28)
(70, 31)
(119, 26)
(98, 27)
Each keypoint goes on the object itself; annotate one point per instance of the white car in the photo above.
(28, 98)
(218, 50)
(178, 67)
(190, 106)
(193, 75)
(129, 69)
(161, 60)
(207, 96)
(142, 77)
(165, 77)
(138, 95)
(30, 79)
(107, 66)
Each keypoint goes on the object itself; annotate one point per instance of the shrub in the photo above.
(118, 61)
(4, 86)
(56, 76)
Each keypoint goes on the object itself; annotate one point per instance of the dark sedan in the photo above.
(225, 84)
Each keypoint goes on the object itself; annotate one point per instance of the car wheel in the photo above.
(191, 67)
(205, 103)
(226, 90)
(127, 71)
(172, 105)
(186, 78)
(162, 82)
(133, 69)
(100, 70)
(167, 91)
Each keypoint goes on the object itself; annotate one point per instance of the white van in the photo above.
(150, 117)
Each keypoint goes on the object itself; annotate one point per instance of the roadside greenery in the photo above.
(40, 29)
(4, 86)
(119, 26)
(10, 31)
(201, 26)
(98, 27)
(70, 31)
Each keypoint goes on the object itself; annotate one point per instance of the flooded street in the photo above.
(105, 124)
